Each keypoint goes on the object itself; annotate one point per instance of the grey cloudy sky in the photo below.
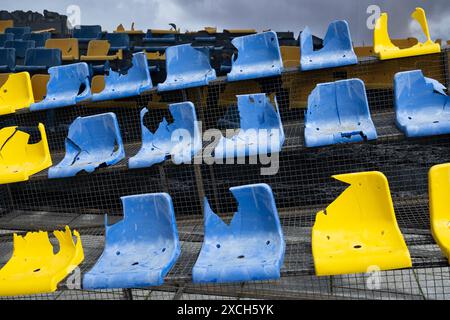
(279, 15)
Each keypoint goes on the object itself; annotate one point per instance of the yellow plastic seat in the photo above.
(211, 30)
(20, 160)
(439, 190)
(39, 84)
(98, 51)
(69, 48)
(290, 56)
(121, 29)
(228, 96)
(383, 46)
(359, 229)
(6, 24)
(163, 31)
(155, 55)
(401, 43)
(97, 84)
(16, 93)
(34, 268)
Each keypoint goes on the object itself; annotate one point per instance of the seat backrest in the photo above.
(98, 48)
(69, 47)
(5, 37)
(8, 57)
(118, 39)
(39, 38)
(20, 46)
(43, 57)
(87, 32)
(18, 31)
(4, 24)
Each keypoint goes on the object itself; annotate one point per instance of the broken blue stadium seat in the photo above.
(133, 83)
(20, 46)
(84, 34)
(422, 107)
(92, 142)
(40, 59)
(250, 248)
(140, 249)
(258, 56)
(7, 59)
(181, 140)
(337, 48)
(38, 38)
(187, 67)
(67, 86)
(261, 131)
(18, 32)
(5, 37)
(338, 112)
(118, 41)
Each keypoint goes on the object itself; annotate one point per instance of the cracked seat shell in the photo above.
(140, 249)
(359, 229)
(250, 248)
(165, 142)
(34, 268)
(20, 160)
(338, 112)
(92, 141)
(16, 93)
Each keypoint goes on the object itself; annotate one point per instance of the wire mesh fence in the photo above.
(302, 186)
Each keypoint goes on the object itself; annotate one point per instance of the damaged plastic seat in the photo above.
(383, 46)
(92, 142)
(337, 48)
(338, 112)
(261, 130)
(421, 106)
(439, 189)
(141, 249)
(20, 160)
(187, 67)
(16, 93)
(258, 56)
(34, 268)
(359, 229)
(63, 88)
(158, 146)
(250, 248)
(116, 85)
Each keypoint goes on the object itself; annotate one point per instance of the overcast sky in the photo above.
(278, 15)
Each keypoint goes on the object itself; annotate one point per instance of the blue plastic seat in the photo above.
(181, 139)
(133, 83)
(92, 142)
(18, 31)
(118, 41)
(84, 34)
(337, 48)
(67, 86)
(38, 38)
(261, 131)
(258, 56)
(7, 59)
(40, 59)
(140, 249)
(421, 106)
(187, 67)
(338, 112)
(5, 37)
(21, 47)
(250, 248)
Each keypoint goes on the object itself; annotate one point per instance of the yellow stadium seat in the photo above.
(121, 29)
(290, 56)
(439, 189)
(98, 51)
(383, 46)
(20, 160)
(163, 31)
(228, 96)
(155, 55)
(69, 48)
(97, 84)
(401, 43)
(16, 93)
(34, 268)
(39, 84)
(359, 229)
(211, 30)
(6, 24)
